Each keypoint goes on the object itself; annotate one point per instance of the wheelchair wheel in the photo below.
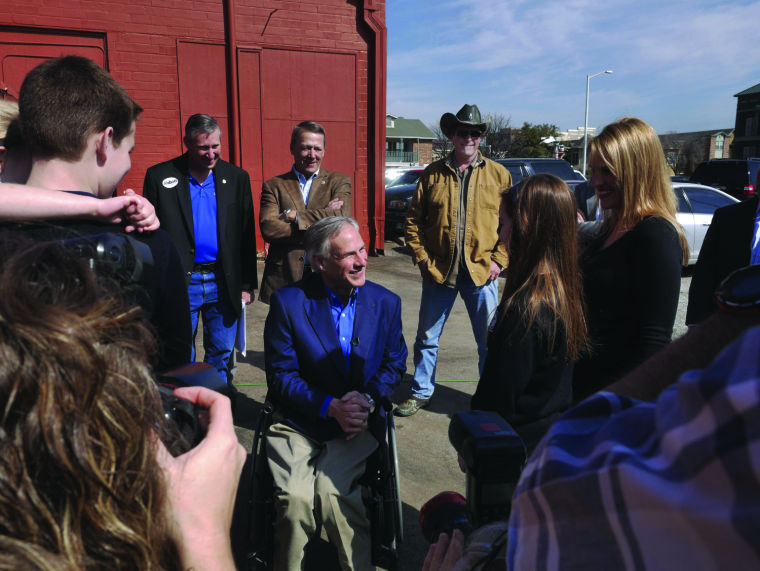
(399, 514)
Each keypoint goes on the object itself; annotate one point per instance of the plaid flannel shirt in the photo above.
(623, 484)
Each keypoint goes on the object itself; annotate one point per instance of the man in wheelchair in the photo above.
(333, 349)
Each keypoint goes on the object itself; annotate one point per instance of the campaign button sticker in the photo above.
(170, 182)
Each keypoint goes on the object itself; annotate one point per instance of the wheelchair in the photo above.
(381, 493)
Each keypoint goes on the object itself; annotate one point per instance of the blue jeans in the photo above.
(435, 307)
(219, 321)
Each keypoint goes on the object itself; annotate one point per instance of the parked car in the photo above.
(410, 176)
(392, 174)
(398, 196)
(733, 176)
(519, 168)
(695, 207)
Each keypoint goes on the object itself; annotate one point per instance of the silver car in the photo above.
(696, 204)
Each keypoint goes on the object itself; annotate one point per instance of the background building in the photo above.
(258, 66)
(747, 129)
(408, 142)
(684, 151)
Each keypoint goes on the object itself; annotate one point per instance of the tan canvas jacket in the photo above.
(432, 219)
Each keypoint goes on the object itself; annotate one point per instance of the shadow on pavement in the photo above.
(447, 399)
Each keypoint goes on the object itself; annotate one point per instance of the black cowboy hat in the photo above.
(469, 115)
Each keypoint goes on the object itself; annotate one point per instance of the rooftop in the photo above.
(401, 128)
(755, 89)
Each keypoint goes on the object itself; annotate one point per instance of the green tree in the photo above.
(527, 141)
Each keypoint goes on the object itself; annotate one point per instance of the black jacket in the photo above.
(526, 378)
(727, 247)
(166, 187)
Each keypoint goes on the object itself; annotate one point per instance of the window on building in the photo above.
(750, 126)
(718, 147)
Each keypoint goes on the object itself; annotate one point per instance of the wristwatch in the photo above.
(286, 211)
(371, 402)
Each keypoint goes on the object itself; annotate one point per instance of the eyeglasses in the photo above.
(474, 133)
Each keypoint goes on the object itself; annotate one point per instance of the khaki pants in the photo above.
(313, 479)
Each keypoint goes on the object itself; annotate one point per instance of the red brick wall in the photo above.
(141, 45)
(425, 150)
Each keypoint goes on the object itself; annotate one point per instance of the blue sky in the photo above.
(677, 64)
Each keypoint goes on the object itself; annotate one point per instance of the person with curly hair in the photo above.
(87, 481)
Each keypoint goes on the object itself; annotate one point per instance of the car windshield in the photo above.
(705, 201)
(409, 177)
(721, 174)
(560, 168)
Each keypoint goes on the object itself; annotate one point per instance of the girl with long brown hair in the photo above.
(539, 328)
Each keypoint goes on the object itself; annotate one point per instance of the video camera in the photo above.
(131, 263)
(494, 456)
(130, 260)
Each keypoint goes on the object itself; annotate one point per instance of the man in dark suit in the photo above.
(728, 246)
(333, 348)
(293, 201)
(205, 204)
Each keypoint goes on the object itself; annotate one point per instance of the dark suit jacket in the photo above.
(727, 247)
(166, 187)
(284, 263)
(304, 361)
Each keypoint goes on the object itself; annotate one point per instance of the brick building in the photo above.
(747, 141)
(684, 151)
(258, 66)
(408, 142)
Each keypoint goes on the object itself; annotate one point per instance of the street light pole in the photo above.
(585, 122)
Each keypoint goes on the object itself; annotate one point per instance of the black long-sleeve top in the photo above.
(631, 291)
(526, 378)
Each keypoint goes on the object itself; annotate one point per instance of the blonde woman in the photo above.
(631, 268)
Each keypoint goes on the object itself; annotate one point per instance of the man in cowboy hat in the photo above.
(452, 229)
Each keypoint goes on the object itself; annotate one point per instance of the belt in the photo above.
(205, 267)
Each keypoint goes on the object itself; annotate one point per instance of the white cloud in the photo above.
(517, 54)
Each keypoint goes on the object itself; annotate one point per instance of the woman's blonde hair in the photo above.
(81, 485)
(632, 151)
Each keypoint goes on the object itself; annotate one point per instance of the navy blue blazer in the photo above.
(166, 186)
(305, 364)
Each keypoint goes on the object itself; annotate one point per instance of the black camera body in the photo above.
(128, 258)
(494, 455)
(188, 421)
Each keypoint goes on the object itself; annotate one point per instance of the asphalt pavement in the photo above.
(427, 462)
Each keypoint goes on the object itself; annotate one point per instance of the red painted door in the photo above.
(22, 51)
